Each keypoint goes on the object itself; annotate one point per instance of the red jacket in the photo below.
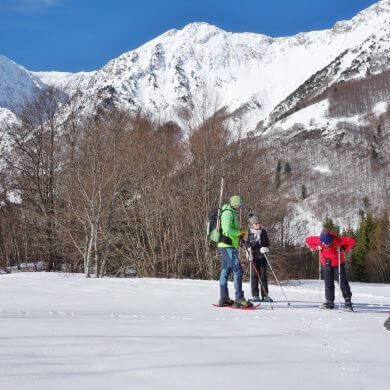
(331, 251)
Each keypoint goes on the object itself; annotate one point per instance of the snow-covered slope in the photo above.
(16, 84)
(61, 331)
(7, 116)
(70, 83)
(359, 62)
(315, 117)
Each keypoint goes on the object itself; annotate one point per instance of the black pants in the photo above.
(259, 265)
(330, 273)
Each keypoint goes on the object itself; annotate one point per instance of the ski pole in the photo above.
(249, 254)
(250, 257)
(262, 286)
(339, 250)
(319, 279)
(277, 280)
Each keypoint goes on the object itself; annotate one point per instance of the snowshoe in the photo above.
(243, 303)
(328, 305)
(386, 325)
(255, 299)
(267, 299)
(348, 306)
(225, 302)
(253, 307)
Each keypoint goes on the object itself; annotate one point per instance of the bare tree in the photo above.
(33, 158)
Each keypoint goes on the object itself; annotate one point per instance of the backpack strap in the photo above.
(227, 239)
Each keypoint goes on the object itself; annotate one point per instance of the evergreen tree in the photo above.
(359, 253)
(330, 226)
(303, 192)
(278, 172)
(379, 251)
(349, 232)
(287, 168)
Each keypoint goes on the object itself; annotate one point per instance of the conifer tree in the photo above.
(359, 253)
(379, 251)
(278, 174)
(304, 192)
(330, 226)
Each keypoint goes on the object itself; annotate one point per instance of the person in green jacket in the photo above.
(227, 248)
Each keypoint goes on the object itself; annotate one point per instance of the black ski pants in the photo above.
(329, 274)
(259, 268)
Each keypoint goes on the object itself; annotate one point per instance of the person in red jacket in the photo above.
(330, 247)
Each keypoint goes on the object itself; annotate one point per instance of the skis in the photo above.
(254, 307)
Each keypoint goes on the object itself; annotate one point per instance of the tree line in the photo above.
(114, 191)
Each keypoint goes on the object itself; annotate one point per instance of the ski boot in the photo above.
(328, 305)
(225, 302)
(267, 299)
(348, 306)
(242, 303)
(255, 299)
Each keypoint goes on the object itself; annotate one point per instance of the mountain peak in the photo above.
(380, 9)
(201, 26)
(201, 32)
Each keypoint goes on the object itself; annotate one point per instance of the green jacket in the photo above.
(230, 226)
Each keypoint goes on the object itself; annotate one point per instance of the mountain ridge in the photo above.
(245, 72)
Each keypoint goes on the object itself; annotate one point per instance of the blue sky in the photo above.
(75, 35)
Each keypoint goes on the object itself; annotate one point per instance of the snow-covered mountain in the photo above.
(252, 75)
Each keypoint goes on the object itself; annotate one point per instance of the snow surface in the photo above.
(60, 331)
(323, 169)
(380, 108)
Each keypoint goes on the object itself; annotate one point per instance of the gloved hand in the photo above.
(342, 248)
(264, 249)
(319, 248)
(242, 232)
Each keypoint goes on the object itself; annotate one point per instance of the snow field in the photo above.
(61, 331)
